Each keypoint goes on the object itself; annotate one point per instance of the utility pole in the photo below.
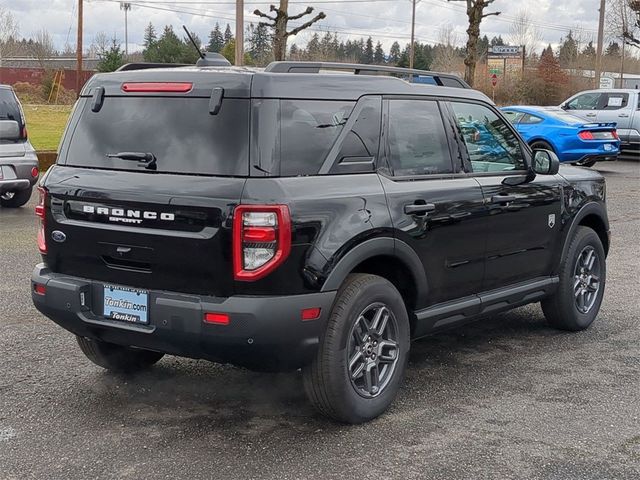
(239, 32)
(126, 6)
(600, 44)
(79, 51)
(413, 34)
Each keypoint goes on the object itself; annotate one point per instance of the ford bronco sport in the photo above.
(297, 218)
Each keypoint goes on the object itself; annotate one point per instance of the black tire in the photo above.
(541, 145)
(586, 163)
(562, 310)
(328, 380)
(117, 358)
(15, 199)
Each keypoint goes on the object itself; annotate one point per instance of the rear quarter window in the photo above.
(179, 132)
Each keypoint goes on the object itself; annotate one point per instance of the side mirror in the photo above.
(9, 130)
(564, 106)
(545, 162)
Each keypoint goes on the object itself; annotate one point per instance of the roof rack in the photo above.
(146, 65)
(442, 79)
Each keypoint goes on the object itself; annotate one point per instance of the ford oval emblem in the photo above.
(58, 236)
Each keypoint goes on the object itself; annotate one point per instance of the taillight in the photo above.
(40, 213)
(586, 135)
(261, 240)
(34, 172)
(24, 134)
(614, 133)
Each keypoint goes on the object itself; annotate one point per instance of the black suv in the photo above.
(298, 218)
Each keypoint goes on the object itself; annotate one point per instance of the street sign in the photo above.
(606, 82)
(494, 80)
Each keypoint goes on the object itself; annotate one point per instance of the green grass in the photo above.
(45, 124)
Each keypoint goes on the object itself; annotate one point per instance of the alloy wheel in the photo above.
(373, 350)
(586, 279)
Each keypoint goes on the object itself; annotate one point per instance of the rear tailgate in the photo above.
(157, 225)
(162, 231)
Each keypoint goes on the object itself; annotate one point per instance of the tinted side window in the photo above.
(417, 139)
(513, 117)
(308, 130)
(363, 138)
(615, 101)
(529, 119)
(492, 145)
(586, 101)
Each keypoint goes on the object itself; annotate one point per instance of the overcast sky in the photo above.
(385, 20)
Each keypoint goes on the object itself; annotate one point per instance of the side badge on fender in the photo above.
(58, 236)
(552, 220)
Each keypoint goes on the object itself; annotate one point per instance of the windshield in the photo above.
(179, 133)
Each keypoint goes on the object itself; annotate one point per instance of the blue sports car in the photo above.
(570, 137)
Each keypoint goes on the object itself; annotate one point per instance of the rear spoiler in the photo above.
(599, 125)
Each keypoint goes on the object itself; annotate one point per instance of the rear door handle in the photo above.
(419, 208)
(503, 198)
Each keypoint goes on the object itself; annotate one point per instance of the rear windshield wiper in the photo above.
(145, 158)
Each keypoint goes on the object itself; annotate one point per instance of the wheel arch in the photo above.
(594, 216)
(538, 138)
(389, 258)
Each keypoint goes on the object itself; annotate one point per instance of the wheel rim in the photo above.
(7, 195)
(586, 279)
(373, 350)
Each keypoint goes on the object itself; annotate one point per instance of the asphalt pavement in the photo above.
(505, 398)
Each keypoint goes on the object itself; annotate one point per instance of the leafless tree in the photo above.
(445, 57)
(279, 21)
(43, 48)
(8, 33)
(524, 33)
(475, 14)
(623, 21)
(100, 44)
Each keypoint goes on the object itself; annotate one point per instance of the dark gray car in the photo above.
(18, 160)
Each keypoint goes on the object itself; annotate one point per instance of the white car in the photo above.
(621, 106)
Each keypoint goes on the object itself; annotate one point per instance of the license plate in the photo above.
(126, 304)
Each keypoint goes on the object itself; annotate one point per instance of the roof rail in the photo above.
(146, 65)
(442, 79)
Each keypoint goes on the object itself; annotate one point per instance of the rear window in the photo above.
(179, 132)
(309, 128)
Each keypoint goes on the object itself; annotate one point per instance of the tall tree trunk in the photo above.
(474, 12)
(280, 32)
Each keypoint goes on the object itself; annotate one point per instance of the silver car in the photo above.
(621, 106)
(18, 160)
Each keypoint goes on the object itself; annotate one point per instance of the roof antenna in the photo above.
(202, 56)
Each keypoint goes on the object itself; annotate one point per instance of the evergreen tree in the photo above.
(228, 36)
(378, 54)
(111, 59)
(589, 50)
(394, 53)
(568, 51)
(483, 47)
(216, 39)
(260, 45)
(551, 78)
(150, 36)
(497, 41)
(314, 51)
(613, 50)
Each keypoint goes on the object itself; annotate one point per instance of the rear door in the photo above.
(165, 227)
(616, 107)
(523, 220)
(435, 208)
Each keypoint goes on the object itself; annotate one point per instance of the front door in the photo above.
(522, 220)
(435, 208)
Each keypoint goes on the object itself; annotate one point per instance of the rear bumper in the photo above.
(16, 172)
(263, 332)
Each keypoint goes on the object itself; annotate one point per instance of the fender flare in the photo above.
(374, 247)
(587, 209)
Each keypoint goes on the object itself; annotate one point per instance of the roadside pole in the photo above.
(239, 32)
(79, 51)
